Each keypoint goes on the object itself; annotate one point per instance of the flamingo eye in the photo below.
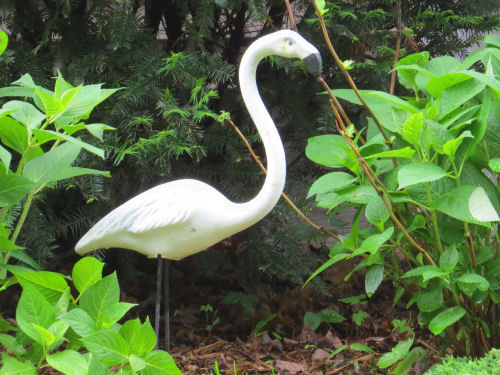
(290, 42)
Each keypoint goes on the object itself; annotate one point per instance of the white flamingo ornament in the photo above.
(183, 217)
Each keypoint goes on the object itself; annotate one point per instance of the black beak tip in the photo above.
(314, 63)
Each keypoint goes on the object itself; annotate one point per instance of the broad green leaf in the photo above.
(13, 189)
(372, 244)
(427, 272)
(33, 308)
(5, 158)
(412, 128)
(373, 278)
(10, 343)
(331, 182)
(398, 352)
(13, 91)
(407, 363)
(4, 39)
(113, 313)
(71, 172)
(50, 284)
(473, 278)
(46, 135)
(405, 152)
(376, 213)
(331, 151)
(456, 204)
(47, 337)
(48, 167)
(457, 95)
(100, 295)
(437, 85)
(108, 346)
(494, 164)
(141, 338)
(160, 363)
(137, 363)
(330, 316)
(449, 259)
(98, 129)
(26, 114)
(51, 105)
(58, 329)
(25, 81)
(81, 105)
(473, 175)
(81, 322)
(407, 76)
(450, 147)
(12, 366)
(13, 134)
(480, 206)
(430, 299)
(313, 319)
(61, 86)
(86, 272)
(415, 173)
(68, 362)
(445, 319)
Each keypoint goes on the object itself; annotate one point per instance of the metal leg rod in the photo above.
(166, 302)
(159, 275)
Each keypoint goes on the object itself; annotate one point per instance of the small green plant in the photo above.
(210, 317)
(58, 327)
(259, 327)
(247, 301)
(488, 365)
(325, 315)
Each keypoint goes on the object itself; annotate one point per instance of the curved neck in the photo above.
(266, 199)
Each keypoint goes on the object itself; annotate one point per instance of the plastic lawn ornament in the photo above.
(183, 217)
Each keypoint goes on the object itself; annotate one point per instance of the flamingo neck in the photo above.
(266, 199)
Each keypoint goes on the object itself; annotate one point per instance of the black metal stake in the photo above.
(159, 274)
(166, 304)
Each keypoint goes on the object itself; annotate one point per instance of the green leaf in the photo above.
(51, 105)
(141, 338)
(26, 114)
(415, 173)
(12, 366)
(113, 313)
(32, 309)
(4, 39)
(374, 242)
(108, 346)
(10, 343)
(13, 189)
(426, 272)
(398, 352)
(430, 299)
(360, 348)
(98, 129)
(97, 297)
(160, 363)
(21, 256)
(376, 213)
(50, 284)
(81, 322)
(445, 319)
(407, 76)
(449, 259)
(48, 167)
(86, 272)
(137, 363)
(61, 86)
(5, 158)
(494, 164)
(359, 317)
(313, 319)
(71, 172)
(406, 364)
(331, 182)
(406, 153)
(332, 151)
(46, 135)
(472, 278)
(456, 204)
(13, 134)
(412, 128)
(481, 207)
(80, 106)
(68, 362)
(450, 147)
(330, 316)
(373, 278)
(330, 262)
(47, 337)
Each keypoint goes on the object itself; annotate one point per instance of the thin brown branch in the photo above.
(285, 197)
(366, 357)
(398, 48)
(290, 15)
(472, 252)
(347, 75)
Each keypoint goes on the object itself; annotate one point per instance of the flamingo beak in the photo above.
(314, 63)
